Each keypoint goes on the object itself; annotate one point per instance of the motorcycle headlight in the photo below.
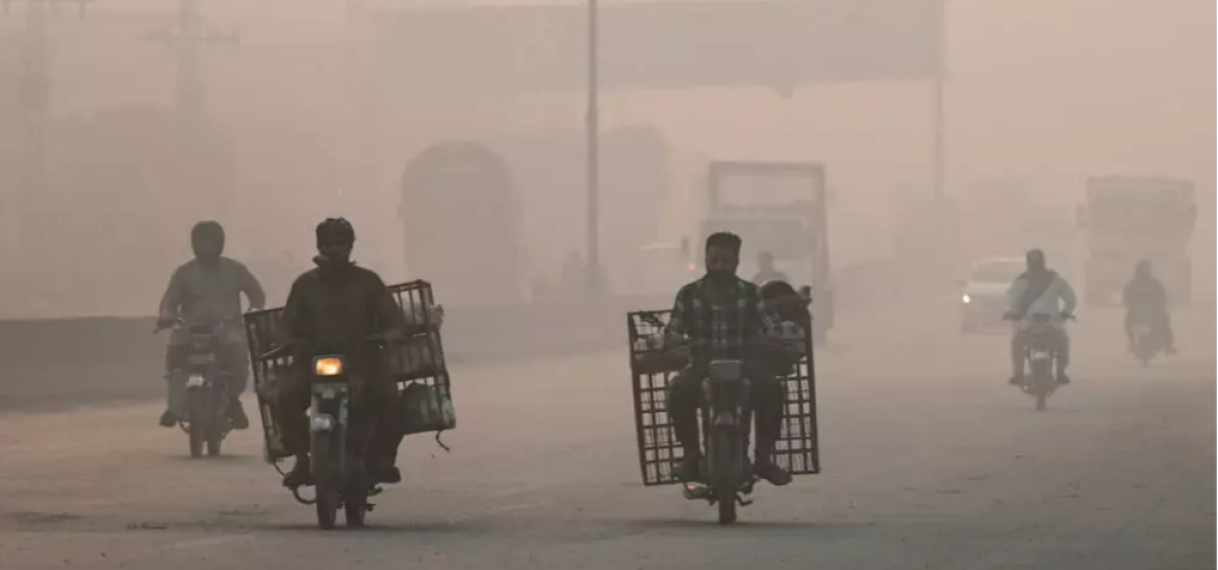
(328, 365)
(966, 299)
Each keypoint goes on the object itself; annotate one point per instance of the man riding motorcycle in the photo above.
(1040, 291)
(208, 289)
(1145, 300)
(718, 314)
(335, 308)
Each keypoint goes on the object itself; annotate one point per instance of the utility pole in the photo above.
(352, 74)
(33, 109)
(190, 92)
(593, 147)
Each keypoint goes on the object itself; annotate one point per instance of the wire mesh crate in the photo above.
(416, 364)
(652, 370)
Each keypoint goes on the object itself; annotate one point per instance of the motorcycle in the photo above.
(1041, 353)
(1146, 343)
(204, 416)
(338, 445)
(726, 478)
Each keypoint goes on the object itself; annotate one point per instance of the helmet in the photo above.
(776, 288)
(207, 235)
(1036, 256)
(335, 230)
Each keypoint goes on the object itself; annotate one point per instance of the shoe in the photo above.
(301, 474)
(771, 472)
(1062, 379)
(169, 419)
(236, 415)
(687, 470)
(1016, 381)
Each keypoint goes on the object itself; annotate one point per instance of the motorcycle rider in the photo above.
(767, 272)
(336, 307)
(718, 314)
(205, 289)
(1040, 291)
(1145, 298)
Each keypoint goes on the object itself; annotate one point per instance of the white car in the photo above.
(984, 299)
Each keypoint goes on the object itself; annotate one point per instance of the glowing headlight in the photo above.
(966, 299)
(328, 365)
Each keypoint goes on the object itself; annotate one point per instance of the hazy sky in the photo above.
(1051, 90)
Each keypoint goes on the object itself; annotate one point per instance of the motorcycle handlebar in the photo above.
(286, 349)
(178, 323)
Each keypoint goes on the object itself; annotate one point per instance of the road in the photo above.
(930, 461)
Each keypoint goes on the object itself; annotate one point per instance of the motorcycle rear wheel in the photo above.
(356, 510)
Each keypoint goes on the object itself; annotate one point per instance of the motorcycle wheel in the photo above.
(1041, 380)
(195, 414)
(213, 447)
(328, 494)
(355, 509)
(728, 468)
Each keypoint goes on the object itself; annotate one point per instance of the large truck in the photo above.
(1126, 219)
(780, 208)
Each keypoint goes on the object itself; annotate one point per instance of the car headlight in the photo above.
(966, 299)
(328, 365)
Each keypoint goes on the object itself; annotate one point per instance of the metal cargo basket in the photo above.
(797, 448)
(417, 364)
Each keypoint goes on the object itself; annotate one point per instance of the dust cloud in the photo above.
(305, 117)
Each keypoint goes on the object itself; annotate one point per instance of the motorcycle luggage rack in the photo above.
(797, 449)
(417, 360)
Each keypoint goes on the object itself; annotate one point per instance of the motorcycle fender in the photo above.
(1041, 355)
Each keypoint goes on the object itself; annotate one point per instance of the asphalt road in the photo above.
(930, 461)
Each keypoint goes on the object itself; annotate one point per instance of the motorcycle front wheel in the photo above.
(727, 452)
(325, 467)
(195, 413)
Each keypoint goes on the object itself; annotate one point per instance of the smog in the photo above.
(897, 159)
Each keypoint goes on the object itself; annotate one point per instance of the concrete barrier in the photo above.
(95, 360)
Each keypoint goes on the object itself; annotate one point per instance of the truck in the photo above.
(1126, 219)
(780, 208)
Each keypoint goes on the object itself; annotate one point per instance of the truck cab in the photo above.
(1127, 219)
(780, 208)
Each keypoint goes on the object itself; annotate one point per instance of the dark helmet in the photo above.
(790, 305)
(1143, 267)
(208, 235)
(335, 230)
(1036, 257)
(776, 289)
